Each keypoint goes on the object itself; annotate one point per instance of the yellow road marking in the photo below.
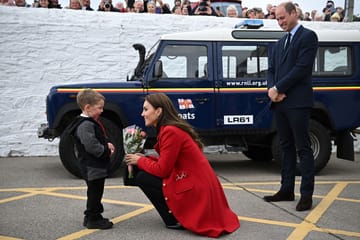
(267, 221)
(121, 218)
(8, 238)
(10, 199)
(277, 183)
(295, 225)
(65, 195)
(303, 229)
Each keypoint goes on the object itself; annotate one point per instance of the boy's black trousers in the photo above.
(95, 191)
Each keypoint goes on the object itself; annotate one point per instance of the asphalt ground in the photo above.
(39, 199)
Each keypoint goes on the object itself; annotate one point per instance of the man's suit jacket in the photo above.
(290, 71)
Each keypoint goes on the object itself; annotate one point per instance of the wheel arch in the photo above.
(320, 114)
(69, 111)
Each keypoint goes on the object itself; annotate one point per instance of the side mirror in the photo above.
(158, 71)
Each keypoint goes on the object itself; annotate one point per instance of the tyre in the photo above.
(69, 156)
(320, 144)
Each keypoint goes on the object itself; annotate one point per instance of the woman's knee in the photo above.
(143, 178)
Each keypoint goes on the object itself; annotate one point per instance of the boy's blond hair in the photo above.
(88, 96)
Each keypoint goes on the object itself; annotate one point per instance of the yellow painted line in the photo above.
(121, 218)
(301, 230)
(295, 225)
(9, 238)
(348, 200)
(72, 196)
(256, 190)
(307, 225)
(133, 214)
(267, 221)
(252, 183)
(342, 232)
(10, 199)
(58, 188)
(278, 183)
(33, 192)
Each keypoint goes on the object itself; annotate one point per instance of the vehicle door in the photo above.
(242, 87)
(181, 70)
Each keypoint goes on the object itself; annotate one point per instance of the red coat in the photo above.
(190, 186)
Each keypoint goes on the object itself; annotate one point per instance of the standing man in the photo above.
(290, 90)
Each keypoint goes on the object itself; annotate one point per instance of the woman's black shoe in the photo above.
(176, 226)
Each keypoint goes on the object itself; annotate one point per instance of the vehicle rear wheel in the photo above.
(320, 144)
(69, 156)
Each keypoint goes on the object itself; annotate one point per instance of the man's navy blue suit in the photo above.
(290, 71)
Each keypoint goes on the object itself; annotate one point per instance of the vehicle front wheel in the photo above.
(320, 144)
(69, 156)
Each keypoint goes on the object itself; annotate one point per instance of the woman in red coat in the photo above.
(180, 183)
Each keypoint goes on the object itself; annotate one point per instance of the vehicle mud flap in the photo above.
(345, 146)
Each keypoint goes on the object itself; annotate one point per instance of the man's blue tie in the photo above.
(287, 43)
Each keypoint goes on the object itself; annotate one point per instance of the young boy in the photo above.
(94, 151)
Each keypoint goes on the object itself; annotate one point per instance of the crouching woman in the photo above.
(180, 182)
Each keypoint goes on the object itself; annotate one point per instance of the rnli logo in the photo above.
(185, 103)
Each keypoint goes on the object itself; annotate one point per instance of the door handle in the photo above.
(202, 100)
(262, 99)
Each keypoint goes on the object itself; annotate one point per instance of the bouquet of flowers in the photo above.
(134, 139)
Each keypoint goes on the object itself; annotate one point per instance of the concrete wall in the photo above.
(40, 48)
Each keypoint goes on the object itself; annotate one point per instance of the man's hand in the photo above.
(275, 96)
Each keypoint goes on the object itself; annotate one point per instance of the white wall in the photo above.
(40, 48)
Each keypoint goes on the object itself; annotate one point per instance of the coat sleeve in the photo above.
(170, 144)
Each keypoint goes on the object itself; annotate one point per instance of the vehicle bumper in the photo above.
(45, 132)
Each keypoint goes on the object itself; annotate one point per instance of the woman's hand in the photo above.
(133, 158)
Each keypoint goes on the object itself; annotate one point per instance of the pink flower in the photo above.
(134, 140)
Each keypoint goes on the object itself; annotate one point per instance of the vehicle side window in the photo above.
(184, 61)
(244, 61)
(333, 61)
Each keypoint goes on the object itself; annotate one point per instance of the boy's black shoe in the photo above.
(101, 223)
(280, 196)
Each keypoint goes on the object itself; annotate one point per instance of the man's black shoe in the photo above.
(101, 223)
(280, 196)
(304, 204)
(176, 226)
